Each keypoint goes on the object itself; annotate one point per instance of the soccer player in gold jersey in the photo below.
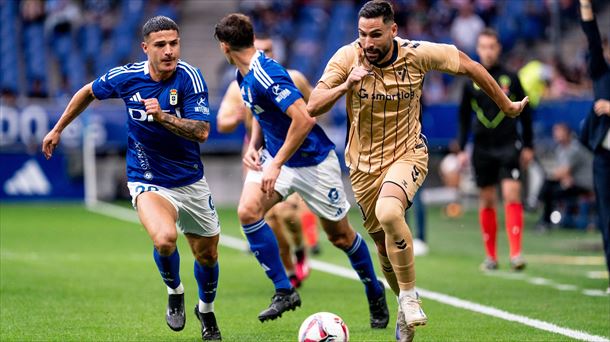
(382, 76)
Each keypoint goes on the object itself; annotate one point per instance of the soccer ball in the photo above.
(323, 326)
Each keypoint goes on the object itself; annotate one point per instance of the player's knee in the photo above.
(340, 240)
(248, 213)
(486, 203)
(389, 210)
(207, 257)
(165, 244)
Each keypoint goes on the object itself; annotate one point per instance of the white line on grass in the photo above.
(235, 243)
(545, 282)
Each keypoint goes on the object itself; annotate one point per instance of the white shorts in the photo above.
(320, 185)
(193, 203)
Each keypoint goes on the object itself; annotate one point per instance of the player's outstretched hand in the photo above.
(49, 143)
(251, 159)
(515, 108)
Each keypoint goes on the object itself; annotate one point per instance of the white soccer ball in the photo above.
(323, 326)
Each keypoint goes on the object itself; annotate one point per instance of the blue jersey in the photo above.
(268, 91)
(155, 155)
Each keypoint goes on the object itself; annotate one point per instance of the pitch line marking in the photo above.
(236, 243)
(544, 282)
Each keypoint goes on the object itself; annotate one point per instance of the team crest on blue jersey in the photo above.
(148, 175)
(173, 97)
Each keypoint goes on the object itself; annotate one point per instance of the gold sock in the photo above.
(388, 273)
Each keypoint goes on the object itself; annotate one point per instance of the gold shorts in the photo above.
(408, 172)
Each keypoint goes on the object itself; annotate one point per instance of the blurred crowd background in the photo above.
(50, 48)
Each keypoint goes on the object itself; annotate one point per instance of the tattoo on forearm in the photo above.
(190, 129)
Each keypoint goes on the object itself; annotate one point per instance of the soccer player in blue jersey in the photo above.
(289, 152)
(167, 117)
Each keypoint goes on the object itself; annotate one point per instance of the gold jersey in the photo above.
(384, 107)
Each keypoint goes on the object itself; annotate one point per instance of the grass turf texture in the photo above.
(70, 275)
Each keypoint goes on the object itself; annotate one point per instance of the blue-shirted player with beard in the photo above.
(167, 118)
(289, 152)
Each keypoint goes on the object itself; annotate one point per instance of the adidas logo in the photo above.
(28, 180)
(136, 98)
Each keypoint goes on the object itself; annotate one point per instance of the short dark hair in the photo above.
(376, 9)
(488, 31)
(159, 23)
(235, 30)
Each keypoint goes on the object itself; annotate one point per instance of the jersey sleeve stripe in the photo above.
(260, 78)
(126, 72)
(115, 70)
(195, 77)
(258, 66)
(196, 87)
(123, 68)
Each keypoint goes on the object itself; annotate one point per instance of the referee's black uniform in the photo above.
(497, 141)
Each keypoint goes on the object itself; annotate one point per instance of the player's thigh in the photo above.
(404, 178)
(288, 210)
(321, 187)
(157, 212)
(366, 188)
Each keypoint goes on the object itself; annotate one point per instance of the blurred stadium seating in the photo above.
(50, 48)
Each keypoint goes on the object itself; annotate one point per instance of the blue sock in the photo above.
(207, 280)
(360, 258)
(264, 246)
(169, 267)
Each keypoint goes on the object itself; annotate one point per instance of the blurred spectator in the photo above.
(466, 27)
(535, 77)
(570, 177)
(62, 22)
(33, 18)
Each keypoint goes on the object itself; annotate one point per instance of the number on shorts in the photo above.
(142, 188)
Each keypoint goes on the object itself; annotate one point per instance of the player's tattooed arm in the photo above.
(190, 129)
(194, 130)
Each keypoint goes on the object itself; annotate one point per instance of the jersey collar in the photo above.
(146, 70)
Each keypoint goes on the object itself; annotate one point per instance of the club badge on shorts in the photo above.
(173, 97)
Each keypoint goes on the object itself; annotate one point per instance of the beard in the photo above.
(376, 55)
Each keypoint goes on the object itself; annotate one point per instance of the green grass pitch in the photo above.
(67, 274)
